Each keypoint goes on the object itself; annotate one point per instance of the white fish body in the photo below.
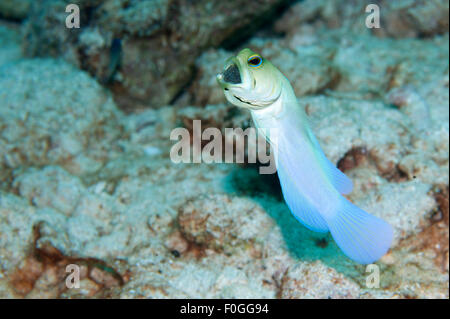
(312, 185)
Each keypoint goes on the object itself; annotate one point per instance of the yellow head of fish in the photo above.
(250, 81)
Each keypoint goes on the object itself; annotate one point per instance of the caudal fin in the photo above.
(361, 236)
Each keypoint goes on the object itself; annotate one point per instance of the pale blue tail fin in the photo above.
(361, 236)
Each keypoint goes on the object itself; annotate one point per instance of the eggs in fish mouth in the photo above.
(232, 74)
(248, 81)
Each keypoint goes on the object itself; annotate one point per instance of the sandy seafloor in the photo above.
(84, 181)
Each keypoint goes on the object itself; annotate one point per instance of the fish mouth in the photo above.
(232, 74)
(234, 80)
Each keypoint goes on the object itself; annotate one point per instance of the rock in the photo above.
(10, 43)
(393, 64)
(223, 223)
(83, 183)
(420, 18)
(204, 89)
(15, 9)
(404, 205)
(62, 192)
(160, 40)
(177, 244)
(40, 102)
(15, 214)
(402, 19)
(316, 281)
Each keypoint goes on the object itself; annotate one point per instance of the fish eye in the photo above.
(254, 61)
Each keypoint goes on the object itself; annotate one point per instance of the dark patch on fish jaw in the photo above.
(232, 75)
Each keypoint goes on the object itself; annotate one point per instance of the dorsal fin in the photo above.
(339, 180)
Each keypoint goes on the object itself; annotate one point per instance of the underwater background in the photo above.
(85, 173)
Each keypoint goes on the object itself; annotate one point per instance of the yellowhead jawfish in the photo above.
(312, 186)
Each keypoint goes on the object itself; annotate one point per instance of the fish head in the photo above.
(250, 81)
